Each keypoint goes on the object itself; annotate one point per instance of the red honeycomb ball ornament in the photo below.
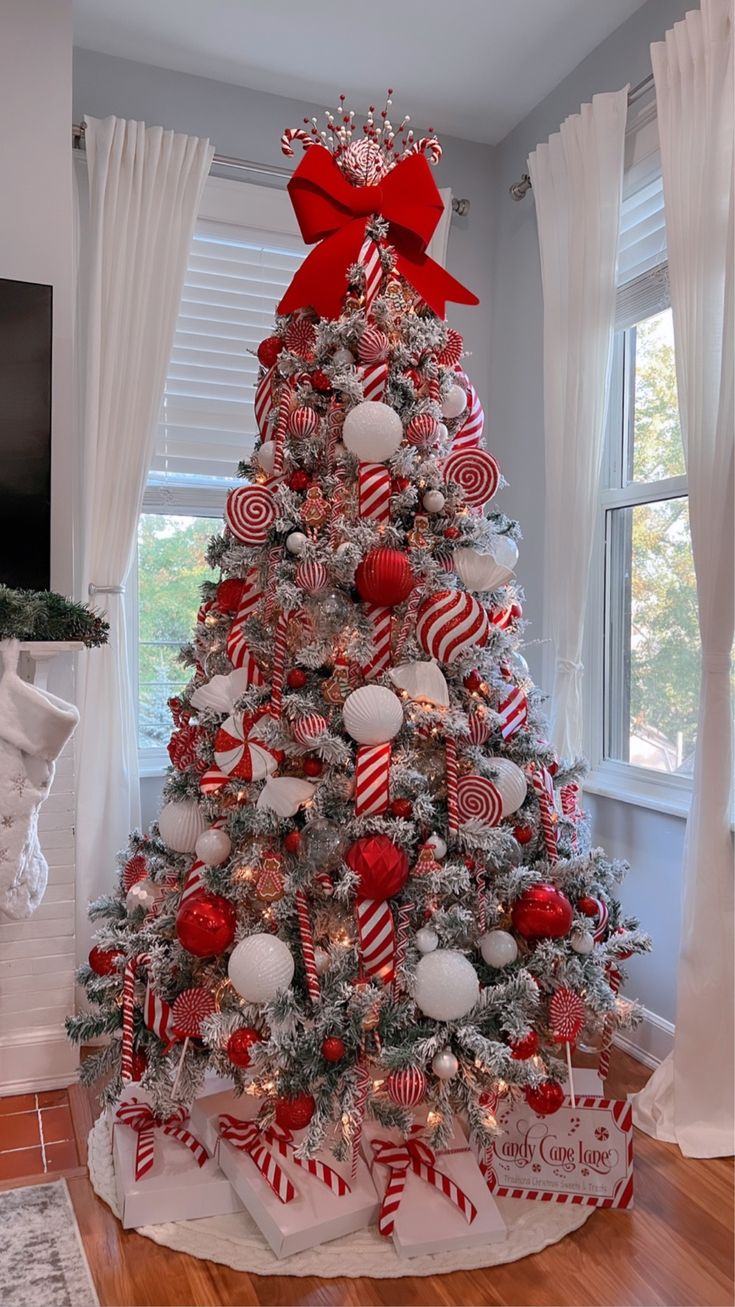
(406, 1087)
(526, 1047)
(546, 1098)
(268, 350)
(229, 594)
(542, 912)
(240, 1044)
(205, 925)
(295, 1113)
(313, 766)
(524, 834)
(381, 866)
(384, 577)
(103, 961)
(401, 808)
(299, 480)
(333, 1048)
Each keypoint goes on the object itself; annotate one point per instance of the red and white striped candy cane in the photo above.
(544, 786)
(374, 486)
(374, 378)
(307, 945)
(469, 435)
(372, 779)
(369, 261)
(403, 931)
(409, 621)
(279, 663)
(364, 1085)
(382, 620)
(450, 747)
(296, 134)
(128, 1009)
(608, 1030)
(279, 435)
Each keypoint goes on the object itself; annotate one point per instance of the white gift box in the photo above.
(316, 1214)
(427, 1221)
(176, 1188)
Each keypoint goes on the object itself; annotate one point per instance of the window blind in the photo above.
(235, 278)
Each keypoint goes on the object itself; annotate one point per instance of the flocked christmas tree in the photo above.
(370, 886)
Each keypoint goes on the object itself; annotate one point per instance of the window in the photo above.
(244, 254)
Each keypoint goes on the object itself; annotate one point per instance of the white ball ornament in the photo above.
(426, 940)
(445, 985)
(444, 1064)
(213, 847)
(498, 948)
(296, 543)
(373, 431)
(144, 894)
(180, 824)
(505, 552)
(455, 403)
(372, 715)
(343, 357)
(433, 501)
(438, 845)
(260, 967)
(267, 457)
(582, 942)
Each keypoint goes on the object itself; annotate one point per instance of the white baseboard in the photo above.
(650, 1042)
(37, 1059)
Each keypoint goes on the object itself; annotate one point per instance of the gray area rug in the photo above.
(42, 1262)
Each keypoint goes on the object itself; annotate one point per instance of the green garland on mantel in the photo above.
(43, 615)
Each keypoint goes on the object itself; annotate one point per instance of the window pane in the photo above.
(171, 568)
(653, 653)
(655, 449)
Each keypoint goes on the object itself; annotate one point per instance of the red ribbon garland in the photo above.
(140, 1118)
(248, 1137)
(414, 1154)
(332, 212)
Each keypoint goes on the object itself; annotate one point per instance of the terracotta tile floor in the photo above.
(36, 1135)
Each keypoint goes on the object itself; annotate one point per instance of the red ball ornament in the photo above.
(542, 912)
(299, 480)
(240, 1043)
(406, 1087)
(451, 533)
(524, 834)
(320, 381)
(296, 679)
(295, 1113)
(588, 906)
(103, 961)
(472, 682)
(292, 841)
(313, 766)
(546, 1098)
(526, 1047)
(333, 1049)
(401, 808)
(268, 350)
(384, 577)
(229, 594)
(205, 925)
(381, 866)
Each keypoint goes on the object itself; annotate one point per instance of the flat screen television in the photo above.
(25, 434)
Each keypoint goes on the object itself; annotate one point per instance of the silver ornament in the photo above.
(433, 501)
(444, 1064)
(582, 942)
(498, 948)
(296, 542)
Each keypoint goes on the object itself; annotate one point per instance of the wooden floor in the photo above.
(675, 1247)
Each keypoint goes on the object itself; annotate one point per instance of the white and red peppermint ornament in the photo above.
(377, 939)
(372, 779)
(407, 1087)
(302, 422)
(250, 513)
(305, 730)
(190, 1009)
(475, 472)
(373, 346)
(374, 378)
(422, 431)
(237, 751)
(451, 352)
(566, 1015)
(374, 490)
(135, 870)
(213, 780)
(449, 623)
(312, 577)
(479, 800)
(301, 337)
(513, 712)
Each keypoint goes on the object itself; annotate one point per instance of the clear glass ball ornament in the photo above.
(329, 614)
(323, 844)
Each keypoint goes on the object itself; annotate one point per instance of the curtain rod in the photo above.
(521, 188)
(459, 206)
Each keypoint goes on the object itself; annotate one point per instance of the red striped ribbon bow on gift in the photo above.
(248, 1137)
(414, 1154)
(141, 1118)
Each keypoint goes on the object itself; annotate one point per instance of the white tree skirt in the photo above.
(236, 1241)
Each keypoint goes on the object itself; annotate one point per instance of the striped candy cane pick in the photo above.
(364, 1085)
(403, 931)
(608, 1030)
(307, 945)
(409, 621)
(450, 746)
(128, 1009)
(279, 663)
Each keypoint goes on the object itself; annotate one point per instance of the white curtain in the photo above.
(143, 196)
(689, 1099)
(577, 186)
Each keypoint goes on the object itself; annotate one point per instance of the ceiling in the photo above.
(472, 69)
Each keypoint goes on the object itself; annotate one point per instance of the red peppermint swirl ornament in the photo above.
(373, 346)
(135, 869)
(312, 577)
(250, 513)
(301, 338)
(475, 472)
(449, 623)
(406, 1087)
(303, 422)
(451, 354)
(478, 800)
(237, 753)
(422, 431)
(306, 729)
(566, 1014)
(190, 1009)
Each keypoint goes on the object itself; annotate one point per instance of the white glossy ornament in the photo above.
(455, 403)
(144, 894)
(434, 501)
(582, 942)
(284, 795)
(444, 1064)
(478, 571)
(321, 960)
(214, 847)
(260, 967)
(296, 543)
(180, 823)
(438, 845)
(267, 457)
(498, 948)
(372, 715)
(222, 692)
(373, 431)
(343, 357)
(426, 940)
(445, 985)
(424, 682)
(510, 783)
(442, 434)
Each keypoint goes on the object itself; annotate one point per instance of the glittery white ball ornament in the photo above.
(445, 985)
(438, 845)
(296, 542)
(321, 960)
(582, 942)
(180, 824)
(426, 940)
(433, 501)
(498, 948)
(455, 403)
(260, 967)
(343, 357)
(213, 847)
(373, 431)
(444, 1064)
(144, 894)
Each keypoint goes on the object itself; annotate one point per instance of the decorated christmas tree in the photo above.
(370, 887)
